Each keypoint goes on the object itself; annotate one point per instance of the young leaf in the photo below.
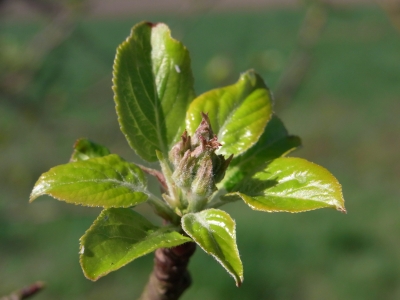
(292, 185)
(273, 143)
(85, 149)
(214, 231)
(107, 181)
(117, 237)
(238, 113)
(153, 86)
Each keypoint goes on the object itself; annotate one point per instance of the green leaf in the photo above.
(214, 231)
(85, 149)
(292, 185)
(273, 143)
(153, 86)
(238, 113)
(107, 181)
(117, 237)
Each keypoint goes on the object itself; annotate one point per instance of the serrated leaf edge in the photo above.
(338, 187)
(137, 189)
(99, 219)
(239, 279)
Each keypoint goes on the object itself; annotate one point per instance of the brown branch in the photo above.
(25, 292)
(170, 277)
(392, 10)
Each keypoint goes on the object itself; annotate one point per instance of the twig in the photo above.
(25, 292)
(392, 10)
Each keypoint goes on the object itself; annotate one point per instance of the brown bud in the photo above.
(203, 131)
(178, 150)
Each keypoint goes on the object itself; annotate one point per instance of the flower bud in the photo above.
(203, 131)
(197, 168)
(203, 184)
(183, 174)
(178, 150)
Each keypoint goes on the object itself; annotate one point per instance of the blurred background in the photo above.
(334, 68)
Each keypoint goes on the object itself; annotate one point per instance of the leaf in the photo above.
(238, 113)
(107, 181)
(273, 143)
(214, 231)
(85, 149)
(153, 86)
(292, 185)
(117, 237)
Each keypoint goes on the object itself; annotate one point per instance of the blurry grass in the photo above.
(346, 113)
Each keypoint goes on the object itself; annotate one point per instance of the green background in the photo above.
(346, 112)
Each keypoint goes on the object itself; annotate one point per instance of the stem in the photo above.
(157, 174)
(162, 209)
(215, 200)
(170, 277)
(195, 204)
(173, 198)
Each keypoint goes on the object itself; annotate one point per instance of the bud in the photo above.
(203, 184)
(203, 131)
(183, 174)
(177, 151)
(197, 168)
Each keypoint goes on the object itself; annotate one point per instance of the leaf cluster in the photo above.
(156, 103)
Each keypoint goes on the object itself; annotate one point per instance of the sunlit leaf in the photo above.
(214, 231)
(238, 113)
(120, 235)
(107, 181)
(273, 143)
(153, 86)
(292, 185)
(85, 149)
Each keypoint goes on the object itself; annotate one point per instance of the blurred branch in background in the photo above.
(392, 10)
(300, 61)
(25, 292)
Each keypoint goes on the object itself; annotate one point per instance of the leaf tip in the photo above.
(239, 281)
(35, 193)
(152, 25)
(88, 276)
(32, 197)
(82, 255)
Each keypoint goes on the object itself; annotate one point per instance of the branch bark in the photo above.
(25, 292)
(170, 277)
